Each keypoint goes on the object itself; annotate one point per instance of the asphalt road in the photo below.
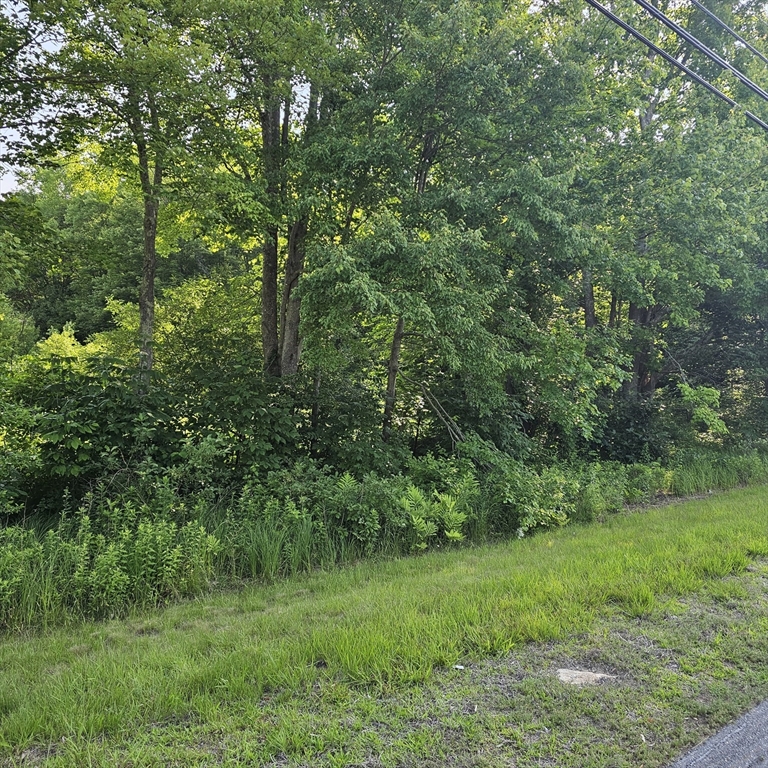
(743, 744)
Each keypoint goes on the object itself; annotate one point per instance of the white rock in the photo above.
(580, 677)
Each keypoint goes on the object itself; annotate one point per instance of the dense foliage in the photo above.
(286, 283)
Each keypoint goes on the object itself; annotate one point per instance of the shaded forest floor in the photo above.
(682, 664)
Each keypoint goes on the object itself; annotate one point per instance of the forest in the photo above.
(285, 284)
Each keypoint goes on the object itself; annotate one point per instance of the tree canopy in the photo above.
(360, 232)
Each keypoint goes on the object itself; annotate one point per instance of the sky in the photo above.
(7, 177)
(7, 182)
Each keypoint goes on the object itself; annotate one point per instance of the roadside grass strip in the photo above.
(294, 670)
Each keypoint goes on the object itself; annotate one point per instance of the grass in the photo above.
(705, 471)
(356, 665)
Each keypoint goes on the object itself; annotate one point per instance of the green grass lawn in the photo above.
(356, 667)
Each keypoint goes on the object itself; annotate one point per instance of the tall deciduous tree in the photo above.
(654, 172)
(136, 80)
(277, 58)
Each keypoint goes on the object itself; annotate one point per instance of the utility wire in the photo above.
(672, 60)
(699, 46)
(735, 34)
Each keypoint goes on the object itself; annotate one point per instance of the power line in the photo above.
(735, 34)
(699, 46)
(672, 60)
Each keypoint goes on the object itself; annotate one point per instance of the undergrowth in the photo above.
(151, 541)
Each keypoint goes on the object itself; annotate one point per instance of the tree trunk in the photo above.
(644, 378)
(428, 154)
(590, 321)
(613, 317)
(290, 344)
(147, 290)
(271, 143)
(642, 319)
(151, 179)
(269, 338)
(631, 386)
(394, 367)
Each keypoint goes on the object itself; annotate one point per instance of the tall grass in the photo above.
(262, 545)
(702, 471)
(75, 571)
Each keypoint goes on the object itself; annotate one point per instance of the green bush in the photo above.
(20, 460)
(443, 517)
(87, 419)
(605, 487)
(307, 516)
(646, 481)
(519, 500)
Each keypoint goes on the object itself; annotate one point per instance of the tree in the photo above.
(436, 150)
(275, 55)
(659, 189)
(138, 82)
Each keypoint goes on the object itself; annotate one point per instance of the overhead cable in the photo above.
(672, 60)
(699, 46)
(732, 32)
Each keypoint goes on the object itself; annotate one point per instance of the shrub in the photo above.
(645, 481)
(20, 459)
(520, 500)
